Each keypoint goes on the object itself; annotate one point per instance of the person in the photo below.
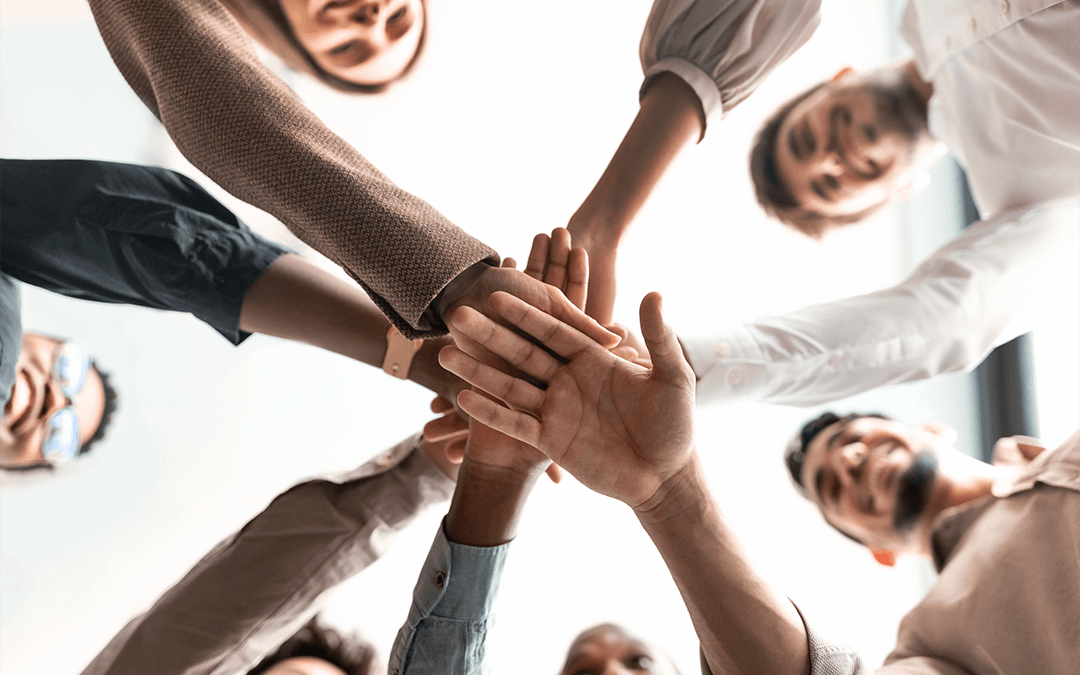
(146, 236)
(355, 46)
(1005, 539)
(610, 648)
(999, 89)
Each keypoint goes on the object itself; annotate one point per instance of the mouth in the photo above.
(23, 417)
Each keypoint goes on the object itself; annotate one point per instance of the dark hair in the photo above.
(107, 413)
(348, 652)
(774, 196)
(266, 22)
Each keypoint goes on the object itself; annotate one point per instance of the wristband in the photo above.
(399, 354)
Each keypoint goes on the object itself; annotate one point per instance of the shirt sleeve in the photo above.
(451, 612)
(194, 67)
(129, 234)
(724, 49)
(968, 297)
(828, 657)
(10, 334)
(258, 587)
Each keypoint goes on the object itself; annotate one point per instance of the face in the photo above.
(36, 395)
(360, 41)
(305, 665)
(858, 141)
(609, 650)
(875, 479)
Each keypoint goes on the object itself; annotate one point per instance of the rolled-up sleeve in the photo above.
(723, 49)
(451, 613)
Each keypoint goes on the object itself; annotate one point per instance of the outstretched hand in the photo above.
(621, 429)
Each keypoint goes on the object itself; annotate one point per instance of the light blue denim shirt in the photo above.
(451, 612)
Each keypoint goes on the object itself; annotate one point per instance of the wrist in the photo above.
(459, 287)
(488, 504)
(681, 495)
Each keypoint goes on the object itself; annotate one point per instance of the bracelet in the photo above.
(399, 354)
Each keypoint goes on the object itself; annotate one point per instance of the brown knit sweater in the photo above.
(194, 67)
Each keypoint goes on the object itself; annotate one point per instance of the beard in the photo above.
(899, 108)
(913, 491)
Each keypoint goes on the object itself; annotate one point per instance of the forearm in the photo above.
(972, 294)
(487, 504)
(193, 66)
(258, 587)
(295, 300)
(743, 624)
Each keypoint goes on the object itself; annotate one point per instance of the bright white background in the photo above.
(508, 121)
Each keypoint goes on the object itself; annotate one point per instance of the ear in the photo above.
(946, 433)
(840, 74)
(886, 558)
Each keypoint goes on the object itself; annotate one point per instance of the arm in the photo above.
(447, 626)
(296, 300)
(701, 58)
(192, 65)
(627, 432)
(255, 589)
(969, 296)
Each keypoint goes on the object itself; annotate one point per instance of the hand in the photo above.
(473, 287)
(444, 437)
(621, 429)
(630, 346)
(601, 244)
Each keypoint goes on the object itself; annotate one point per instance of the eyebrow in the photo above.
(819, 475)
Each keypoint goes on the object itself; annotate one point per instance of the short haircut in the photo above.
(774, 196)
(107, 413)
(348, 652)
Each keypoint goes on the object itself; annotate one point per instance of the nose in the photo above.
(851, 459)
(367, 13)
(54, 399)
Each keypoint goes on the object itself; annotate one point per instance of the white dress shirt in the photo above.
(1006, 77)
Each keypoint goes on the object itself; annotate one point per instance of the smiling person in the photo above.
(999, 89)
(358, 46)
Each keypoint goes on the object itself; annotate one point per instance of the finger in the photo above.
(504, 343)
(444, 427)
(663, 345)
(509, 263)
(514, 424)
(626, 353)
(554, 472)
(439, 405)
(547, 329)
(617, 328)
(538, 257)
(557, 258)
(512, 391)
(577, 277)
(455, 449)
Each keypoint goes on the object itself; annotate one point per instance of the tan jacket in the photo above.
(195, 68)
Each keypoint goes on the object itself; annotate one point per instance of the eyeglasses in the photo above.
(70, 365)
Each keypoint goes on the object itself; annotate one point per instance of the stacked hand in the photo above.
(620, 428)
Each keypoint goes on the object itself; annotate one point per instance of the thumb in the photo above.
(664, 348)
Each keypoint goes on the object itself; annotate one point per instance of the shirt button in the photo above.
(734, 378)
(440, 578)
(973, 25)
(1005, 6)
(723, 349)
(834, 359)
